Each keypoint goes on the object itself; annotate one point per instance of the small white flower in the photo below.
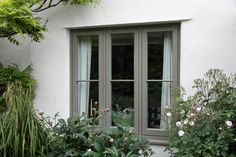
(185, 121)
(192, 114)
(178, 124)
(182, 112)
(181, 133)
(168, 114)
(199, 109)
(220, 128)
(111, 140)
(235, 139)
(229, 123)
(191, 123)
(89, 150)
(140, 151)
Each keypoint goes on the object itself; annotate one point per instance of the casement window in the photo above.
(132, 71)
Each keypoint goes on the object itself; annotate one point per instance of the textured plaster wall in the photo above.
(10, 54)
(208, 40)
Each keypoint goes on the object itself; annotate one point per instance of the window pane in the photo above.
(88, 58)
(122, 56)
(159, 55)
(158, 97)
(88, 97)
(123, 103)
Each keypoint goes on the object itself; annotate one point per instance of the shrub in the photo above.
(203, 125)
(11, 75)
(79, 136)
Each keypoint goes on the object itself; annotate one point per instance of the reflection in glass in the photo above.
(123, 103)
(155, 99)
(122, 56)
(155, 55)
(88, 98)
(154, 104)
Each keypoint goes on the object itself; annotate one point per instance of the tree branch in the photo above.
(7, 35)
(42, 7)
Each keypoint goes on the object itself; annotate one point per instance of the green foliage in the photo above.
(121, 141)
(21, 132)
(79, 136)
(203, 125)
(11, 75)
(16, 17)
(70, 137)
(123, 119)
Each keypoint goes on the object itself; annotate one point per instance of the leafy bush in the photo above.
(120, 142)
(79, 136)
(203, 125)
(11, 75)
(21, 132)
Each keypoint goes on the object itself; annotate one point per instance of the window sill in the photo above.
(158, 142)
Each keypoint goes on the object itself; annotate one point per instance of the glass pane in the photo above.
(88, 58)
(122, 56)
(159, 55)
(88, 98)
(158, 97)
(123, 103)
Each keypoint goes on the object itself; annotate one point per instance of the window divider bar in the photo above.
(121, 80)
(87, 81)
(160, 81)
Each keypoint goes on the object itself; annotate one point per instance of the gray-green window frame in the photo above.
(140, 71)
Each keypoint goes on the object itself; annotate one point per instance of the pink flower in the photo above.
(105, 110)
(229, 123)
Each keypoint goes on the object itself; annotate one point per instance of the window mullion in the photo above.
(102, 78)
(108, 75)
(136, 82)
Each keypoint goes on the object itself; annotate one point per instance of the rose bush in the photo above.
(203, 125)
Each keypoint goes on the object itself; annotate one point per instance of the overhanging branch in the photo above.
(46, 4)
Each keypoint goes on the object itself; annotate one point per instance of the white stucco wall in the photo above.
(208, 40)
